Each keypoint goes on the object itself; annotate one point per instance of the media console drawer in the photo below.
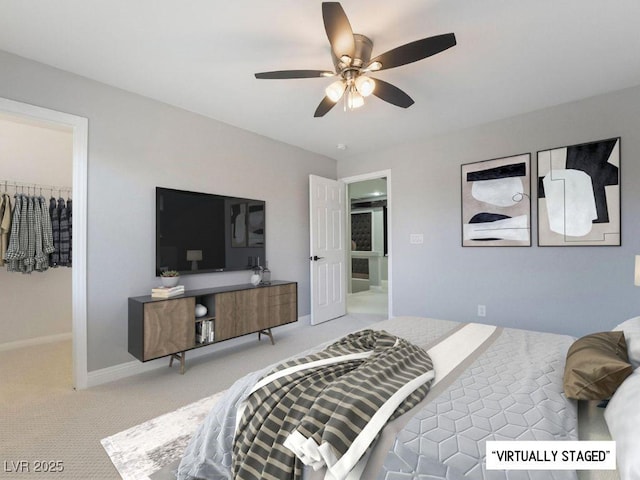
(160, 327)
(283, 299)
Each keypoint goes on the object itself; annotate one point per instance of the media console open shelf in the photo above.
(159, 327)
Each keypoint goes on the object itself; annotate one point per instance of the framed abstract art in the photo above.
(496, 202)
(579, 195)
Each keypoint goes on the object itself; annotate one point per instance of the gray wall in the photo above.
(136, 144)
(573, 290)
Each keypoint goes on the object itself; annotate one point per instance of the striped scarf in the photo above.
(325, 409)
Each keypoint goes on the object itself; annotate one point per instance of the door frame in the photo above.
(373, 176)
(80, 128)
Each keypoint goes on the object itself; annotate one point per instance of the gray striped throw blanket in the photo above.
(327, 408)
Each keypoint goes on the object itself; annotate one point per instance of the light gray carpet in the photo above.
(42, 418)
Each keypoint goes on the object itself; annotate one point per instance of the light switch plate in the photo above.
(416, 238)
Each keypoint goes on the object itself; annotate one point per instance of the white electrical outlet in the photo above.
(416, 238)
(482, 310)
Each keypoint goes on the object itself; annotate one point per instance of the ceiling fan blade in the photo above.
(392, 94)
(338, 29)
(414, 51)
(283, 74)
(325, 105)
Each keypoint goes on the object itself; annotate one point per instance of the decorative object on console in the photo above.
(266, 274)
(169, 278)
(205, 331)
(496, 202)
(579, 194)
(256, 276)
(166, 292)
(201, 310)
(194, 256)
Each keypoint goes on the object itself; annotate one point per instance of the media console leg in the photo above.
(268, 333)
(182, 356)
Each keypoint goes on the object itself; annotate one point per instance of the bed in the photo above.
(490, 383)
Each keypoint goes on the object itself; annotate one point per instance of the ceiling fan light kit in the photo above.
(336, 90)
(365, 85)
(351, 55)
(354, 99)
(356, 89)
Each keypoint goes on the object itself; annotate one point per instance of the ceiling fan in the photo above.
(351, 54)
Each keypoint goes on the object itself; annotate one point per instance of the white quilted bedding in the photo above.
(510, 389)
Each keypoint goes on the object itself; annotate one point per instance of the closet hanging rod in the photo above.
(32, 187)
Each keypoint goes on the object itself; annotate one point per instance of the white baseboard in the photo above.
(383, 287)
(29, 342)
(306, 319)
(123, 370)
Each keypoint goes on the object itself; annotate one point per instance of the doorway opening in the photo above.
(368, 249)
(79, 130)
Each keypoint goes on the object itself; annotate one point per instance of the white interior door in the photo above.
(327, 211)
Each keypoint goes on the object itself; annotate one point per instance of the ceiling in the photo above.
(512, 57)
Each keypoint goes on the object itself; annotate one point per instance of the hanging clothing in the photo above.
(70, 218)
(23, 233)
(5, 226)
(41, 261)
(30, 239)
(54, 258)
(29, 262)
(15, 253)
(47, 233)
(65, 235)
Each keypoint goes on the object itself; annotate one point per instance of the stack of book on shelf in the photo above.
(205, 331)
(166, 292)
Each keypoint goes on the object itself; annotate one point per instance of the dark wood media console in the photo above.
(159, 327)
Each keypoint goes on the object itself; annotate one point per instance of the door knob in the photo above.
(315, 258)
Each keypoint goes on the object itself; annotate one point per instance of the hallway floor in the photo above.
(369, 301)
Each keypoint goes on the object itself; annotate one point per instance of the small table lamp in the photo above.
(194, 256)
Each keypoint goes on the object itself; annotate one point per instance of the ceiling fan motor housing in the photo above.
(361, 56)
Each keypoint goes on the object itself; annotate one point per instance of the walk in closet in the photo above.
(36, 226)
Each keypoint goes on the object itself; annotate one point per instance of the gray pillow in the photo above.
(596, 366)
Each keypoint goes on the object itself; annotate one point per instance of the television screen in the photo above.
(201, 232)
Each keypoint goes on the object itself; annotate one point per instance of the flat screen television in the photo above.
(202, 232)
